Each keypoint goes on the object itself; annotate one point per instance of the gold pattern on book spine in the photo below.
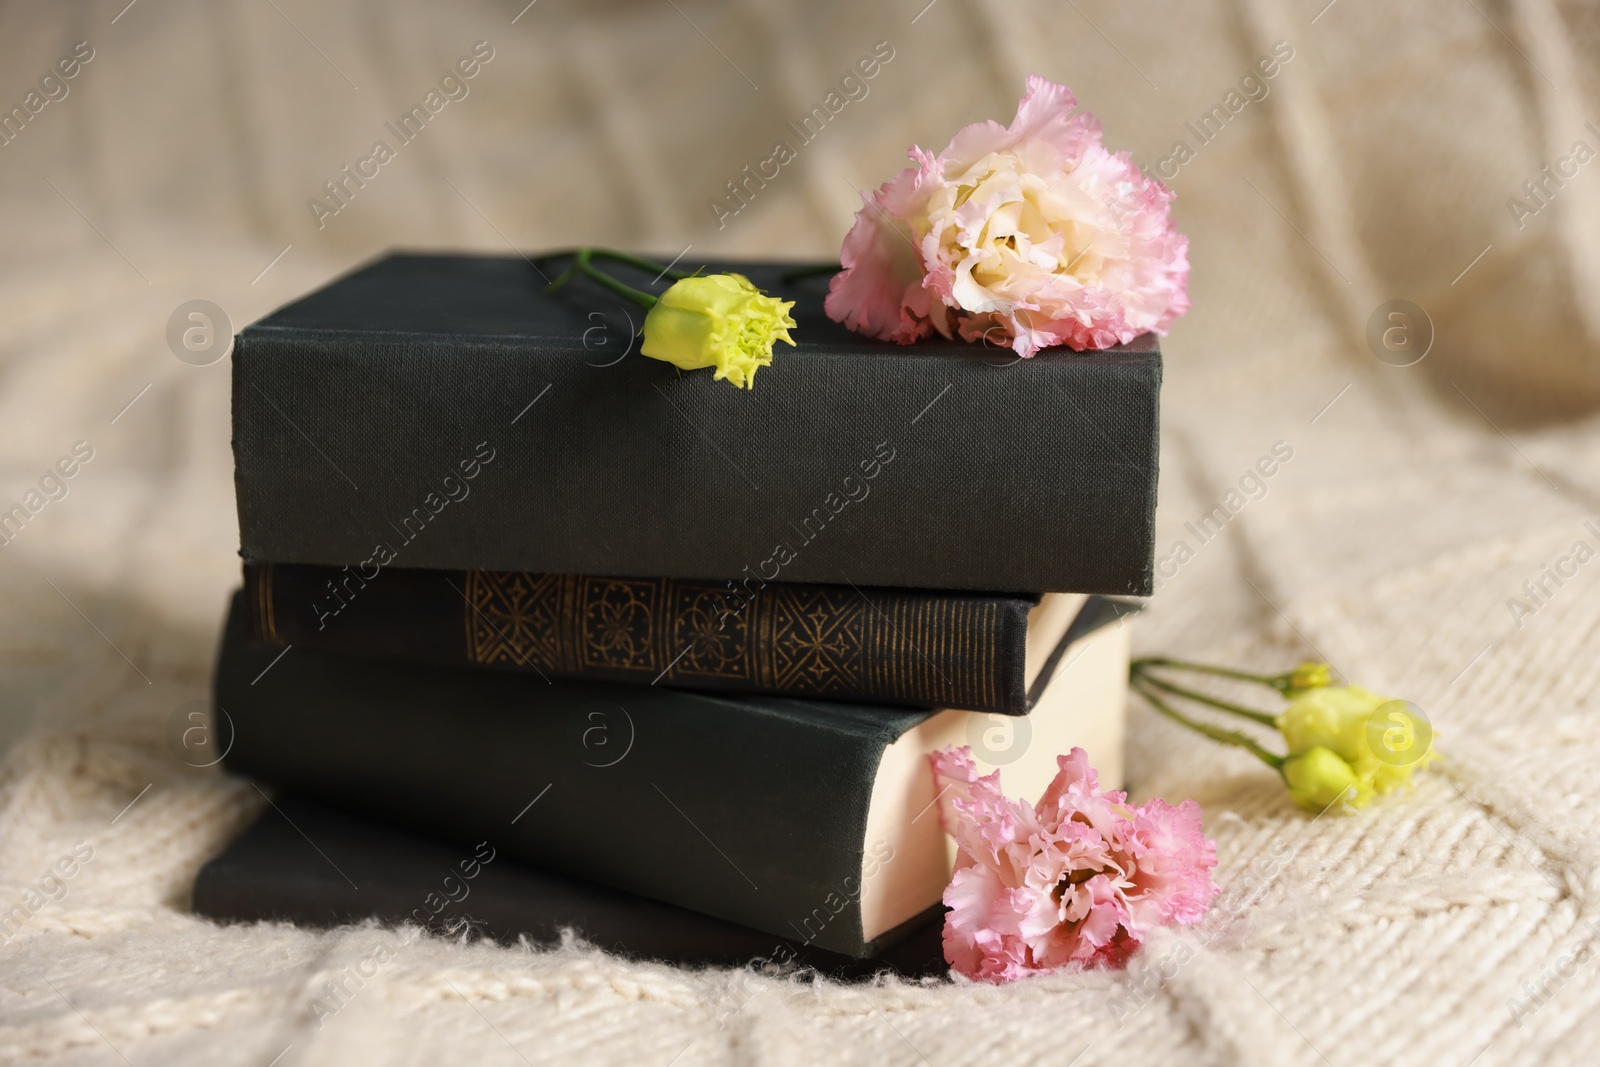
(815, 638)
(514, 618)
(826, 640)
(708, 640)
(619, 621)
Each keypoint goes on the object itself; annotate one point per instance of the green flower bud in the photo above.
(1306, 677)
(717, 320)
(1334, 717)
(1318, 778)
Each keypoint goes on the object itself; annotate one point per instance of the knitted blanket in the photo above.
(1432, 533)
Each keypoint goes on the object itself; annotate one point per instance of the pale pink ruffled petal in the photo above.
(1108, 915)
(879, 291)
(1045, 114)
(1174, 861)
(1075, 776)
(983, 820)
(1075, 790)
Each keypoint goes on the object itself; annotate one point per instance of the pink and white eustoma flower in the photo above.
(1030, 235)
(1074, 881)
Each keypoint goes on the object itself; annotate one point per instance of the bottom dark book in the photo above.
(359, 869)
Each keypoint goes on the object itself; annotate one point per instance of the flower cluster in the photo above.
(1349, 744)
(1073, 881)
(1030, 235)
(1344, 744)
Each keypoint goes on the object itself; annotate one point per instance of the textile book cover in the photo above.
(893, 646)
(435, 411)
(360, 869)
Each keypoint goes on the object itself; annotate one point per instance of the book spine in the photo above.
(891, 646)
(751, 809)
(893, 468)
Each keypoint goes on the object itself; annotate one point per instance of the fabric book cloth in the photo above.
(360, 869)
(437, 411)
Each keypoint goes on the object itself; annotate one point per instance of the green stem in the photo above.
(1216, 733)
(1253, 715)
(637, 261)
(618, 256)
(562, 279)
(809, 272)
(582, 263)
(1269, 680)
(638, 296)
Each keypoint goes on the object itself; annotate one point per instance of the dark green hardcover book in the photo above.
(360, 869)
(806, 819)
(444, 412)
(911, 647)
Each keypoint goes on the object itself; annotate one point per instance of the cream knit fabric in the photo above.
(1453, 923)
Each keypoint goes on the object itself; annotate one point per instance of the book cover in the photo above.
(435, 411)
(362, 869)
(806, 819)
(893, 646)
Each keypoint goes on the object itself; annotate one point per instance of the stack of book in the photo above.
(537, 633)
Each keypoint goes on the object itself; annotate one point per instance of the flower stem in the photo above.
(1139, 666)
(640, 262)
(1262, 717)
(638, 296)
(562, 279)
(581, 264)
(1216, 733)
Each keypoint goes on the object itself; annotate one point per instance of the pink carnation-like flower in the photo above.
(1029, 235)
(1072, 881)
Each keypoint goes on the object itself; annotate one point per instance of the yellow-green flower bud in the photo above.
(1318, 778)
(1378, 740)
(1306, 677)
(717, 320)
(1334, 717)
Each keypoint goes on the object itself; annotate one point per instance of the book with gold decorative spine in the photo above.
(907, 647)
(810, 820)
